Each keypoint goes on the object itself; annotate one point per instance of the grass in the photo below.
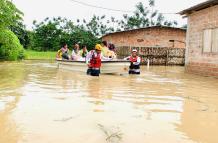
(35, 55)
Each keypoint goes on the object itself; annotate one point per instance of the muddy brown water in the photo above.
(41, 104)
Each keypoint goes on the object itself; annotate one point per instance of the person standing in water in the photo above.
(93, 60)
(135, 61)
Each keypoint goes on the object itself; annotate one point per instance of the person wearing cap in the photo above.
(135, 61)
(93, 60)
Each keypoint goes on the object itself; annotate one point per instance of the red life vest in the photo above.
(133, 59)
(95, 60)
(134, 67)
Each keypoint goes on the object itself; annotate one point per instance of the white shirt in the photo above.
(89, 56)
(134, 63)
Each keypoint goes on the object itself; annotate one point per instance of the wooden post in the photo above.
(148, 64)
(167, 56)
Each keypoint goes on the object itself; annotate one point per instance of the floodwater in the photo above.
(41, 104)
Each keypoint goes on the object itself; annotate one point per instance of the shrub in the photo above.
(10, 47)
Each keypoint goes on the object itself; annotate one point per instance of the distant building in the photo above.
(202, 38)
(156, 36)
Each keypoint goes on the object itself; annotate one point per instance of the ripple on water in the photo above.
(160, 103)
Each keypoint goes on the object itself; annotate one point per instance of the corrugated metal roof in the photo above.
(198, 7)
(165, 27)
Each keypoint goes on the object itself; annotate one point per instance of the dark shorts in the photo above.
(132, 72)
(89, 70)
(93, 72)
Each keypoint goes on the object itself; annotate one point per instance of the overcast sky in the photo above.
(40, 9)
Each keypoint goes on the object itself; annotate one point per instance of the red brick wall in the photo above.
(148, 37)
(205, 69)
(197, 61)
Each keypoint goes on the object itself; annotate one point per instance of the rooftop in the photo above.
(150, 27)
(198, 7)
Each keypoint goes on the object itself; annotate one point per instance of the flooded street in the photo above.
(41, 104)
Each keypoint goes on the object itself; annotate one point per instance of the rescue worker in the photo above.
(93, 59)
(135, 61)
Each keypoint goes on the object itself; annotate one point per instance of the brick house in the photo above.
(156, 36)
(202, 38)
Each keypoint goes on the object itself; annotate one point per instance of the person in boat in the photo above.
(63, 53)
(59, 55)
(75, 52)
(105, 49)
(106, 52)
(94, 59)
(83, 52)
(135, 61)
(112, 51)
(111, 47)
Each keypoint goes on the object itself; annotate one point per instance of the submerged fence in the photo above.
(156, 55)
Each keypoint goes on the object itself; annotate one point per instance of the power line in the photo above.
(86, 4)
(169, 13)
(110, 9)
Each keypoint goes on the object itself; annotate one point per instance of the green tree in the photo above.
(10, 47)
(47, 35)
(145, 16)
(50, 34)
(86, 38)
(98, 25)
(185, 26)
(9, 14)
(20, 31)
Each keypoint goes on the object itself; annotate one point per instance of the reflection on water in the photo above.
(12, 77)
(41, 104)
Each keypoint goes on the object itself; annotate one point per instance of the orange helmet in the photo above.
(98, 47)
